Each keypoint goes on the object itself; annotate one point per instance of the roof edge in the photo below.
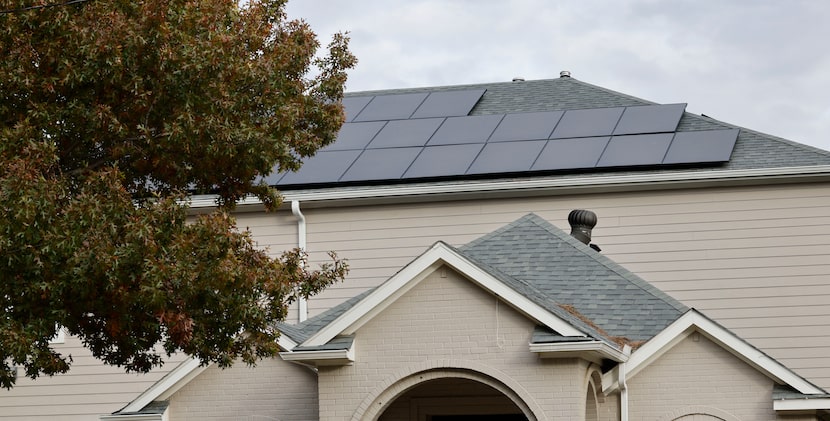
(546, 185)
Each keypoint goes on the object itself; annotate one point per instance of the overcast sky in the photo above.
(761, 64)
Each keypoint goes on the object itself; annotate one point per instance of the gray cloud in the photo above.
(760, 64)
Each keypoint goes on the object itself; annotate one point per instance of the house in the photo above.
(729, 222)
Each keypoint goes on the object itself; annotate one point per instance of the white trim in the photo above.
(439, 254)
(567, 185)
(801, 404)
(602, 348)
(168, 385)
(694, 321)
(134, 417)
(60, 336)
(319, 358)
(177, 378)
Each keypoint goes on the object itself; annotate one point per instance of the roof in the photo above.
(561, 275)
(534, 252)
(752, 150)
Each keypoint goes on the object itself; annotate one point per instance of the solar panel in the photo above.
(353, 105)
(436, 161)
(381, 164)
(526, 126)
(587, 123)
(650, 119)
(560, 154)
(507, 157)
(398, 133)
(469, 129)
(391, 107)
(324, 167)
(645, 149)
(702, 146)
(449, 103)
(355, 135)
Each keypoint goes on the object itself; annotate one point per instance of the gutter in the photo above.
(302, 303)
(602, 349)
(542, 185)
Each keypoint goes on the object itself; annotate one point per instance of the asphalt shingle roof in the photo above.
(560, 274)
(568, 272)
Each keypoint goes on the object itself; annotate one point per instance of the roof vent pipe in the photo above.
(518, 79)
(582, 222)
(565, 73)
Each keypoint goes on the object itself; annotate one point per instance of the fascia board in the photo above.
(167, 385)
(544, 184)
(693, 321)
(439, 254)
(801, 404)
(133, 417)
(177, 378)
(600, 347)
(320, 357)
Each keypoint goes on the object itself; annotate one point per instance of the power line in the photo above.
(43, 6)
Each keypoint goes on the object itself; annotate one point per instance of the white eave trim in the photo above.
(320, 358)
(693, 321)
(664, 180)
(439, 254)
(599, 347)
(177, 378)
(133, 417)
(799, 405)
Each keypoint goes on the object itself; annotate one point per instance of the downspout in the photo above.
(621, 373)
(301, 243)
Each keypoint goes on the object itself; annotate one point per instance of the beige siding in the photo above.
(273, 390)
(757, 259)
(698, 376)
(88, 390)
(451, 322)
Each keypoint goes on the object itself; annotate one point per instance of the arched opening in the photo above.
(452, 399)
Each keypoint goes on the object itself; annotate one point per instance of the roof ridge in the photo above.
(498, 231)
(613, 92)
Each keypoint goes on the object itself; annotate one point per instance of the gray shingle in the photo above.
(565, 271)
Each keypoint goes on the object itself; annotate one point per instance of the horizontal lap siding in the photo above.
(88, 390)
(750, 257)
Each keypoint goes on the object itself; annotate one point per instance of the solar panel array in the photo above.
(424, 135)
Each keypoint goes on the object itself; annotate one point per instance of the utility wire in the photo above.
(43, 6)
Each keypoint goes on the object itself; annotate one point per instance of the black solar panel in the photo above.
(526, 126)
(448, 104)
(436, 161)
(353, 105)
(381, 164)
(500, 157)
(560, 154)
(469, 129)
(355, 135)
(647, 149)
(324, 167)
(703, 146)
(650, 119)
(587, 123)
(399, 133)
(391, 107)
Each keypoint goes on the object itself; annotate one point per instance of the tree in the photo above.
(111, 112)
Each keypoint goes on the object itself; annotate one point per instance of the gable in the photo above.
(444, 315)
(700, 373)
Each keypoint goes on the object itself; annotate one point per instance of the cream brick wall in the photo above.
(450, 322)
(700, 374)
(273, 390)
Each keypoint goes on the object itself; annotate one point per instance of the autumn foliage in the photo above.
(111, 113)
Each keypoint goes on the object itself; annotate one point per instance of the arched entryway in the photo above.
(452, 399)
(449, 394)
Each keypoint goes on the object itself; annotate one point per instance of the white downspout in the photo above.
(301, 243)
(623, 387)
